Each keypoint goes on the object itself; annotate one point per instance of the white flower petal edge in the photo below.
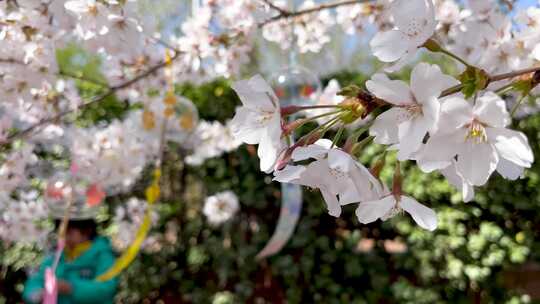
(388, 206)
(368, 212)
(456, 180)
(425, 217)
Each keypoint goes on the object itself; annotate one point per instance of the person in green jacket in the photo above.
(86, 256)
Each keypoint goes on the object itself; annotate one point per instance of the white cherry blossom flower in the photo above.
(416, 108)
(391, 205)
(415, 24)
(477, 137)
(334, 173)
(258, 121)
(221, 207)
(211, 139)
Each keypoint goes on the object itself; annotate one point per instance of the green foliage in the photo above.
(75, 63)
(464, 261)
(473, 80)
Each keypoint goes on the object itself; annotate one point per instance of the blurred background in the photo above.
(485, 251)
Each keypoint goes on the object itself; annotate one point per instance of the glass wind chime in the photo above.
(294, 85)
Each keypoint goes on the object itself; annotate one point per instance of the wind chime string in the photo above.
(152, 194)
(50, 295)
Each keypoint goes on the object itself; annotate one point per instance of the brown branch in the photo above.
(494, 78)
(310, 10)
(110, 91)
(282, 11)
(60, 73)
(514, 74)
(11, 60)
(82, 78)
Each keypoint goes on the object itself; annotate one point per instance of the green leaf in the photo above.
(473, 80)
(350, 91)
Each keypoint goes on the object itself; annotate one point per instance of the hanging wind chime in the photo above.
(298, 86)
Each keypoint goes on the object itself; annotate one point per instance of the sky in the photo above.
(525, 3)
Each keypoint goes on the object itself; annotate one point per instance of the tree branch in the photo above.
(494, 78)
(321, 7)
(110, 91)
(513, 74)
(60, 73)
(82, 78)
(282, 11)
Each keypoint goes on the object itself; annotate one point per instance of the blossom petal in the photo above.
(403, 61)
(317, 150)
(389, 46)
(393, 91)
(509, 170)
(404, 11)
(334, 208)
(511, 145)
(245, 128)
(366, 186)
(425, 217)
(455, 113)
(411, 135)
(289, 174)
(268, 152)
(368, 212)
(476, 162)
(255, 92)
(432, 113)
(453, 177)
(385, 127)
(491, 110)
(428, 82)
(439, 151)
(338, 159)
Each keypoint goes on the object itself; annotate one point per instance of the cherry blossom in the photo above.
(20, 219)
(416, 109)
(465, 140)
(391, 205)
(258, 121)
(415, 24)
(126, 222)
(334, 173)
(211, 139)
(221, 207)
(477, 136)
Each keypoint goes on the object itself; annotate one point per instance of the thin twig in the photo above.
(82, 78)
(514, 74)
(451, 90)
(95, 100)
(494, 78)
(310, 10)
(60, 73)
(282, 11)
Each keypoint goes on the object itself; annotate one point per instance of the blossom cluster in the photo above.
(463, 133)
(23, 219)
(209, 140)
(126, 222)
(221, 207)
